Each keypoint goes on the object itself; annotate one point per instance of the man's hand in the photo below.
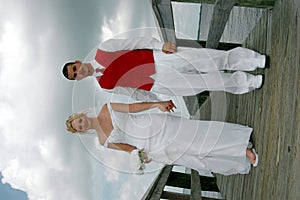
(169, 47)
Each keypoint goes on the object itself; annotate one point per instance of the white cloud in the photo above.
(127, 23)
(10, 44)
(125, 191)
(11, 49)
(37, 155)
(106, 31)
(38, 167)
(131, 189)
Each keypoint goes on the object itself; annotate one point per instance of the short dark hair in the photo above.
(65, 70)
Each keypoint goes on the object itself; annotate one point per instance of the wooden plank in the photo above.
(174, 195)
(159, 19)
(164, 14)
(221, 14)
(192, 105)
(273, 111)
(207, 198)
(244, 3)
(195, 186)
(158, 187)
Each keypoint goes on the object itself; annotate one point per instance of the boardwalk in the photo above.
(273, 111)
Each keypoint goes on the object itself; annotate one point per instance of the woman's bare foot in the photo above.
(252, 156)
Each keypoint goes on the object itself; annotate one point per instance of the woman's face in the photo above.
(81, 124)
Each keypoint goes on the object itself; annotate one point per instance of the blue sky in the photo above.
(8, 193)
(37, 155)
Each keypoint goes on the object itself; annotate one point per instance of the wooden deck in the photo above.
(273, 111)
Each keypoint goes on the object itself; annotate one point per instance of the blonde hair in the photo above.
(71, 119)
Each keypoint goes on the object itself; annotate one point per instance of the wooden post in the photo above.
(220, 17)
(174, 195)
(158, 188)
(167, 177)
(244, 3)
(195, 186)
(164, 14)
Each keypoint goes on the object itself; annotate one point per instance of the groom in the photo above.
(143, 65)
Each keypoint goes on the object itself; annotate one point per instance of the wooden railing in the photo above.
(222, 9)
(244, 3)
(164, 15)
(192, 181)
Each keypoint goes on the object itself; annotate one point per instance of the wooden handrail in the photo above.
(244, 3)
(220, 17)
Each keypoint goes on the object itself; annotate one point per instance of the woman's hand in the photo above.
(167, 106)
(144, 156)
(138, 107)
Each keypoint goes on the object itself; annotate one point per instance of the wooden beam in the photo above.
(174, 195)
(158, 187)
(164, 14)
(220, 17)
(195, 186)
(159, 19)
(244, 3)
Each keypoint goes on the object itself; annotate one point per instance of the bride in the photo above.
(219, 147)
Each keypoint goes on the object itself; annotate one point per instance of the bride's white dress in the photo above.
(219, 147)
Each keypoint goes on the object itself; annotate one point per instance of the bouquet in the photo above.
(138, 158)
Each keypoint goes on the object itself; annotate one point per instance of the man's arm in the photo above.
(165, 106)
(137, 43)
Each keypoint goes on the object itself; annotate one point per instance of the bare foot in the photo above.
(251, 156)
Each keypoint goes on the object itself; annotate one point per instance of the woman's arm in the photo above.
(128, 148)
(123, 147)
(138, 107)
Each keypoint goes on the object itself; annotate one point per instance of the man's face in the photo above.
(78, 71)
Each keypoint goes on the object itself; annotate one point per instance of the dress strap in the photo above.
(113, 123)
(110, 110)
(108, 139)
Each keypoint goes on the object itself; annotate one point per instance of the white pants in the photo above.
(190, 71)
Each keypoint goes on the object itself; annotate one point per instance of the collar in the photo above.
(96, 65)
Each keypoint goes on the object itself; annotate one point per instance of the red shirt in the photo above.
(126, 68)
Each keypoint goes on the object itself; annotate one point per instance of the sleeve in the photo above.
(131, 44)
(136, 94)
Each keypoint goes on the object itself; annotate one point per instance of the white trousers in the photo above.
(190, 71)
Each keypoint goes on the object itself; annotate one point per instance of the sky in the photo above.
(38, 156)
